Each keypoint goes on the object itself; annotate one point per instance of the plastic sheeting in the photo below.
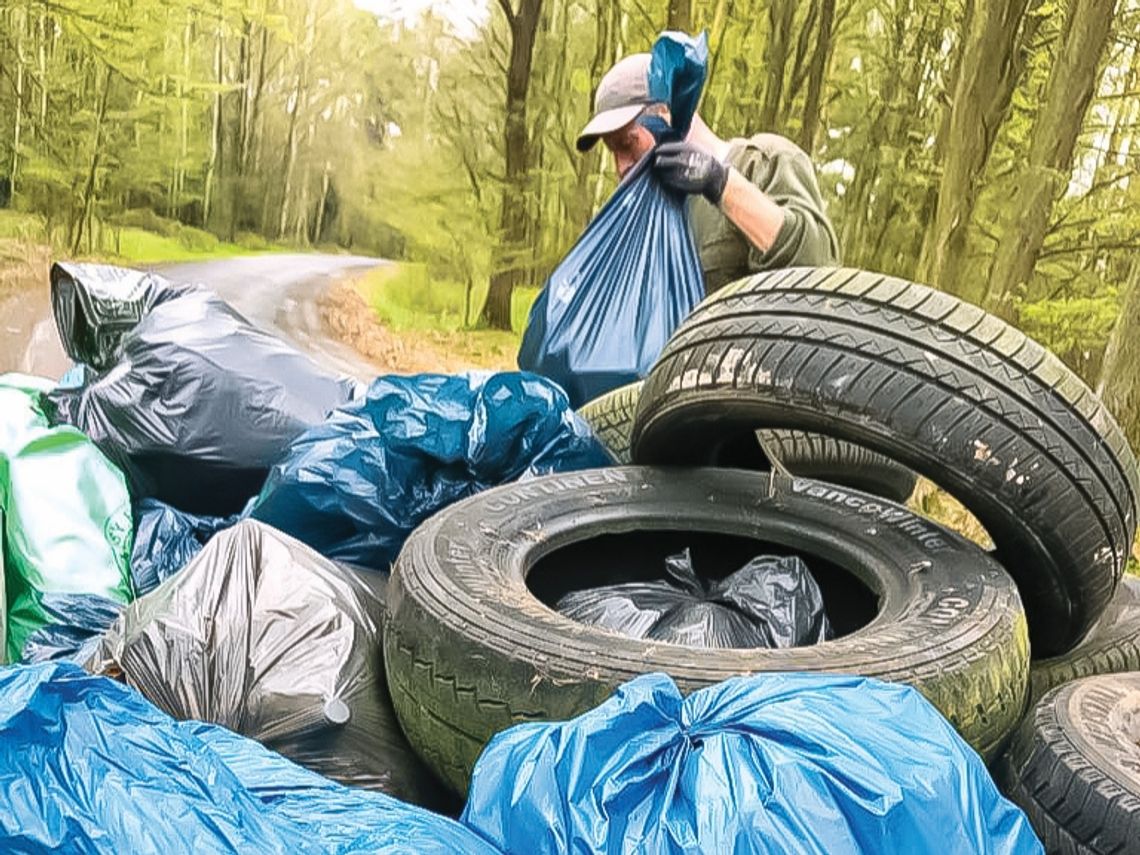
(607, 310)
(355, 487)
(95, 305)
(262, 635)
(66, 517)
(770, 602)
(90, 766)
(200, 404)
(771, 763)
(165, 541)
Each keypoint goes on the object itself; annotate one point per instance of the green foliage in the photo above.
(323, 124)
(1075, 328)
(251, 117)
(407, 297)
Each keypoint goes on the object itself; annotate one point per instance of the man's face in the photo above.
(628, 145)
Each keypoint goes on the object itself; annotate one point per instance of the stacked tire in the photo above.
(795, 409)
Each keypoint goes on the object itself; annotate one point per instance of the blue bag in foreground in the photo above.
(88, 765)
(790, 763)
(607, 310)
(356, 486)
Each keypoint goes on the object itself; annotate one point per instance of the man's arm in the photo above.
(751, 210)
(775, 203)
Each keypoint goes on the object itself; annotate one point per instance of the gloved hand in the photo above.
(690, 169)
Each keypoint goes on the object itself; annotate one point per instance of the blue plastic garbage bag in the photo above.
(356, 486)
(677, 71)
(165, 541)
(75, 377)
(88, 765)
(789, 763)
(77, 622)
(607, 310)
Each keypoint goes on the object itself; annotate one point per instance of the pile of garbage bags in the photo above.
(203, 520)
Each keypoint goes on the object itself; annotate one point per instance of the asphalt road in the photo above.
(279, 293)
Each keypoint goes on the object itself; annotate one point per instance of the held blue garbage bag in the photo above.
(88, 765)
(788, 763)
(607, 310)
(356, 486)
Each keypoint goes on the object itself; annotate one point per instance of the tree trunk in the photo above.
(1119, 385)
(680, 16)
(816, 74)
(780, 16)
(987, 74)
(325, 184)
(251, 157)
(216, 137)
(93, 168)
(496, 312)
(17, 125)
(1056, 127)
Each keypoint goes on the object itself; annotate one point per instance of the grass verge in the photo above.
(144, 238)
(410, 302)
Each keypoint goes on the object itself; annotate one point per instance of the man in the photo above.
(755, 202)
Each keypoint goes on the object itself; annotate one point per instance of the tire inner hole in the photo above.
(639, 556)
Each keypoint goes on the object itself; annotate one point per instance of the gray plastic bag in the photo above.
(262, 635)
(770, 602)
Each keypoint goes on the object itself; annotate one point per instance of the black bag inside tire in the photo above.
(950, 391)
(1074, 766)
(470, 650)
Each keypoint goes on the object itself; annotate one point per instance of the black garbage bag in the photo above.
(200, 404)
(770, 602)
(165, 541)
(95, 305)
(265, 637)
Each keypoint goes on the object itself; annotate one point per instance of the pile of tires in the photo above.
(795, 409)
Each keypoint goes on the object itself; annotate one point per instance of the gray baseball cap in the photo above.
(622, 96)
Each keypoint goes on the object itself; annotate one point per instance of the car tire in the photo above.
(955, 394)
(806, 455)
(470, 650)
(1112, 647)
(1074, 766)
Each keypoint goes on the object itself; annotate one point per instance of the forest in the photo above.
(987, 147)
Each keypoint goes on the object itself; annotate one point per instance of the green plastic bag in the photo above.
(65, 513)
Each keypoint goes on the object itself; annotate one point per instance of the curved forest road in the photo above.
(279, 293)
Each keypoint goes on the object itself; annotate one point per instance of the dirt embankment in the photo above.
(28, 340)
(351, 320)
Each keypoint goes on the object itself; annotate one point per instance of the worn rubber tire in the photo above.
(807, 455)
(1074, 767)
(950, 391)
(1112, 647)
(470, 650)
(611, 417)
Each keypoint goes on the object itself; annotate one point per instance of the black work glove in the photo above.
(687, 168)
